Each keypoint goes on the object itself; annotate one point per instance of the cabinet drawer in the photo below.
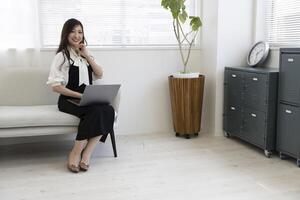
(234, 80)
(288, 134)
(289, 84)
(233, 119)
(255, 95)
(254, 126)
(234, 86)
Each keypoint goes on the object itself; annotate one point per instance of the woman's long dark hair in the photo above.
(67, 29)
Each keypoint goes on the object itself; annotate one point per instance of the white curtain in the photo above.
(19, 37)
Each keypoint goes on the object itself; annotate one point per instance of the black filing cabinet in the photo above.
(250, 101)
(288, 123)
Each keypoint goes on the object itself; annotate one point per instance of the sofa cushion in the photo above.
(33, 116)
(22, 86)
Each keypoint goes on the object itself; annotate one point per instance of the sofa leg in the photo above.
(113, 142)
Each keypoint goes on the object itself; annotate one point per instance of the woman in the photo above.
(72, 69)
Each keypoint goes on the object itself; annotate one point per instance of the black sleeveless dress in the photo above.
(95, 120)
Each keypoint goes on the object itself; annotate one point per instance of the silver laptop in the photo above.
(97, 94)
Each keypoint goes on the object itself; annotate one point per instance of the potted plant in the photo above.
(186, 88)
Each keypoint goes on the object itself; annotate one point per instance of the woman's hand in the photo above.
(83, 50)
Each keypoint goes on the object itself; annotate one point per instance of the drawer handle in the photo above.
(233, 75)
(232, 108)
(253, 115)
(290, 59)
(255, 79)
(288, 111)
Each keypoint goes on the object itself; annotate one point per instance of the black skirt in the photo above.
(95, 120)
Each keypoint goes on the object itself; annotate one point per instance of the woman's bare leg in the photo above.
(75, 154)
(89, 149)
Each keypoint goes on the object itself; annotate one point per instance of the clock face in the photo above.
(258, 53)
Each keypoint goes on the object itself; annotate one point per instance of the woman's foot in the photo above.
(83, 166)
(87, 152)
(73, 168)
(73, 162)
(85, 160)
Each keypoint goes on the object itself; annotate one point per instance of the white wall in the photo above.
(273, 58)
(209, 61)
(226, 42)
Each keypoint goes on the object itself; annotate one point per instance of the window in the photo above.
(111, 22)
(283, 22)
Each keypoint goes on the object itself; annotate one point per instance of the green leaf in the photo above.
(195, 23)
(165, 3)
(176, 7)
(182, 16)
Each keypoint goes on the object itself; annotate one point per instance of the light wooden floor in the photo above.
(149, 167)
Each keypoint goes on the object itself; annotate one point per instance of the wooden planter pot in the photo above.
(186, 102)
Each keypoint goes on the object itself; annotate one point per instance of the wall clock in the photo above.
(258, 54)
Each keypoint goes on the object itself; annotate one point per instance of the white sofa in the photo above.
(28, 107)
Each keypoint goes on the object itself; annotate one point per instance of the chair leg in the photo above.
(113, 142)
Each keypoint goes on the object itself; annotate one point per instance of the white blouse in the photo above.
(59, 70)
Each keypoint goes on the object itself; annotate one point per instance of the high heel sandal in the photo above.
(73, 168)
(83, 166)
